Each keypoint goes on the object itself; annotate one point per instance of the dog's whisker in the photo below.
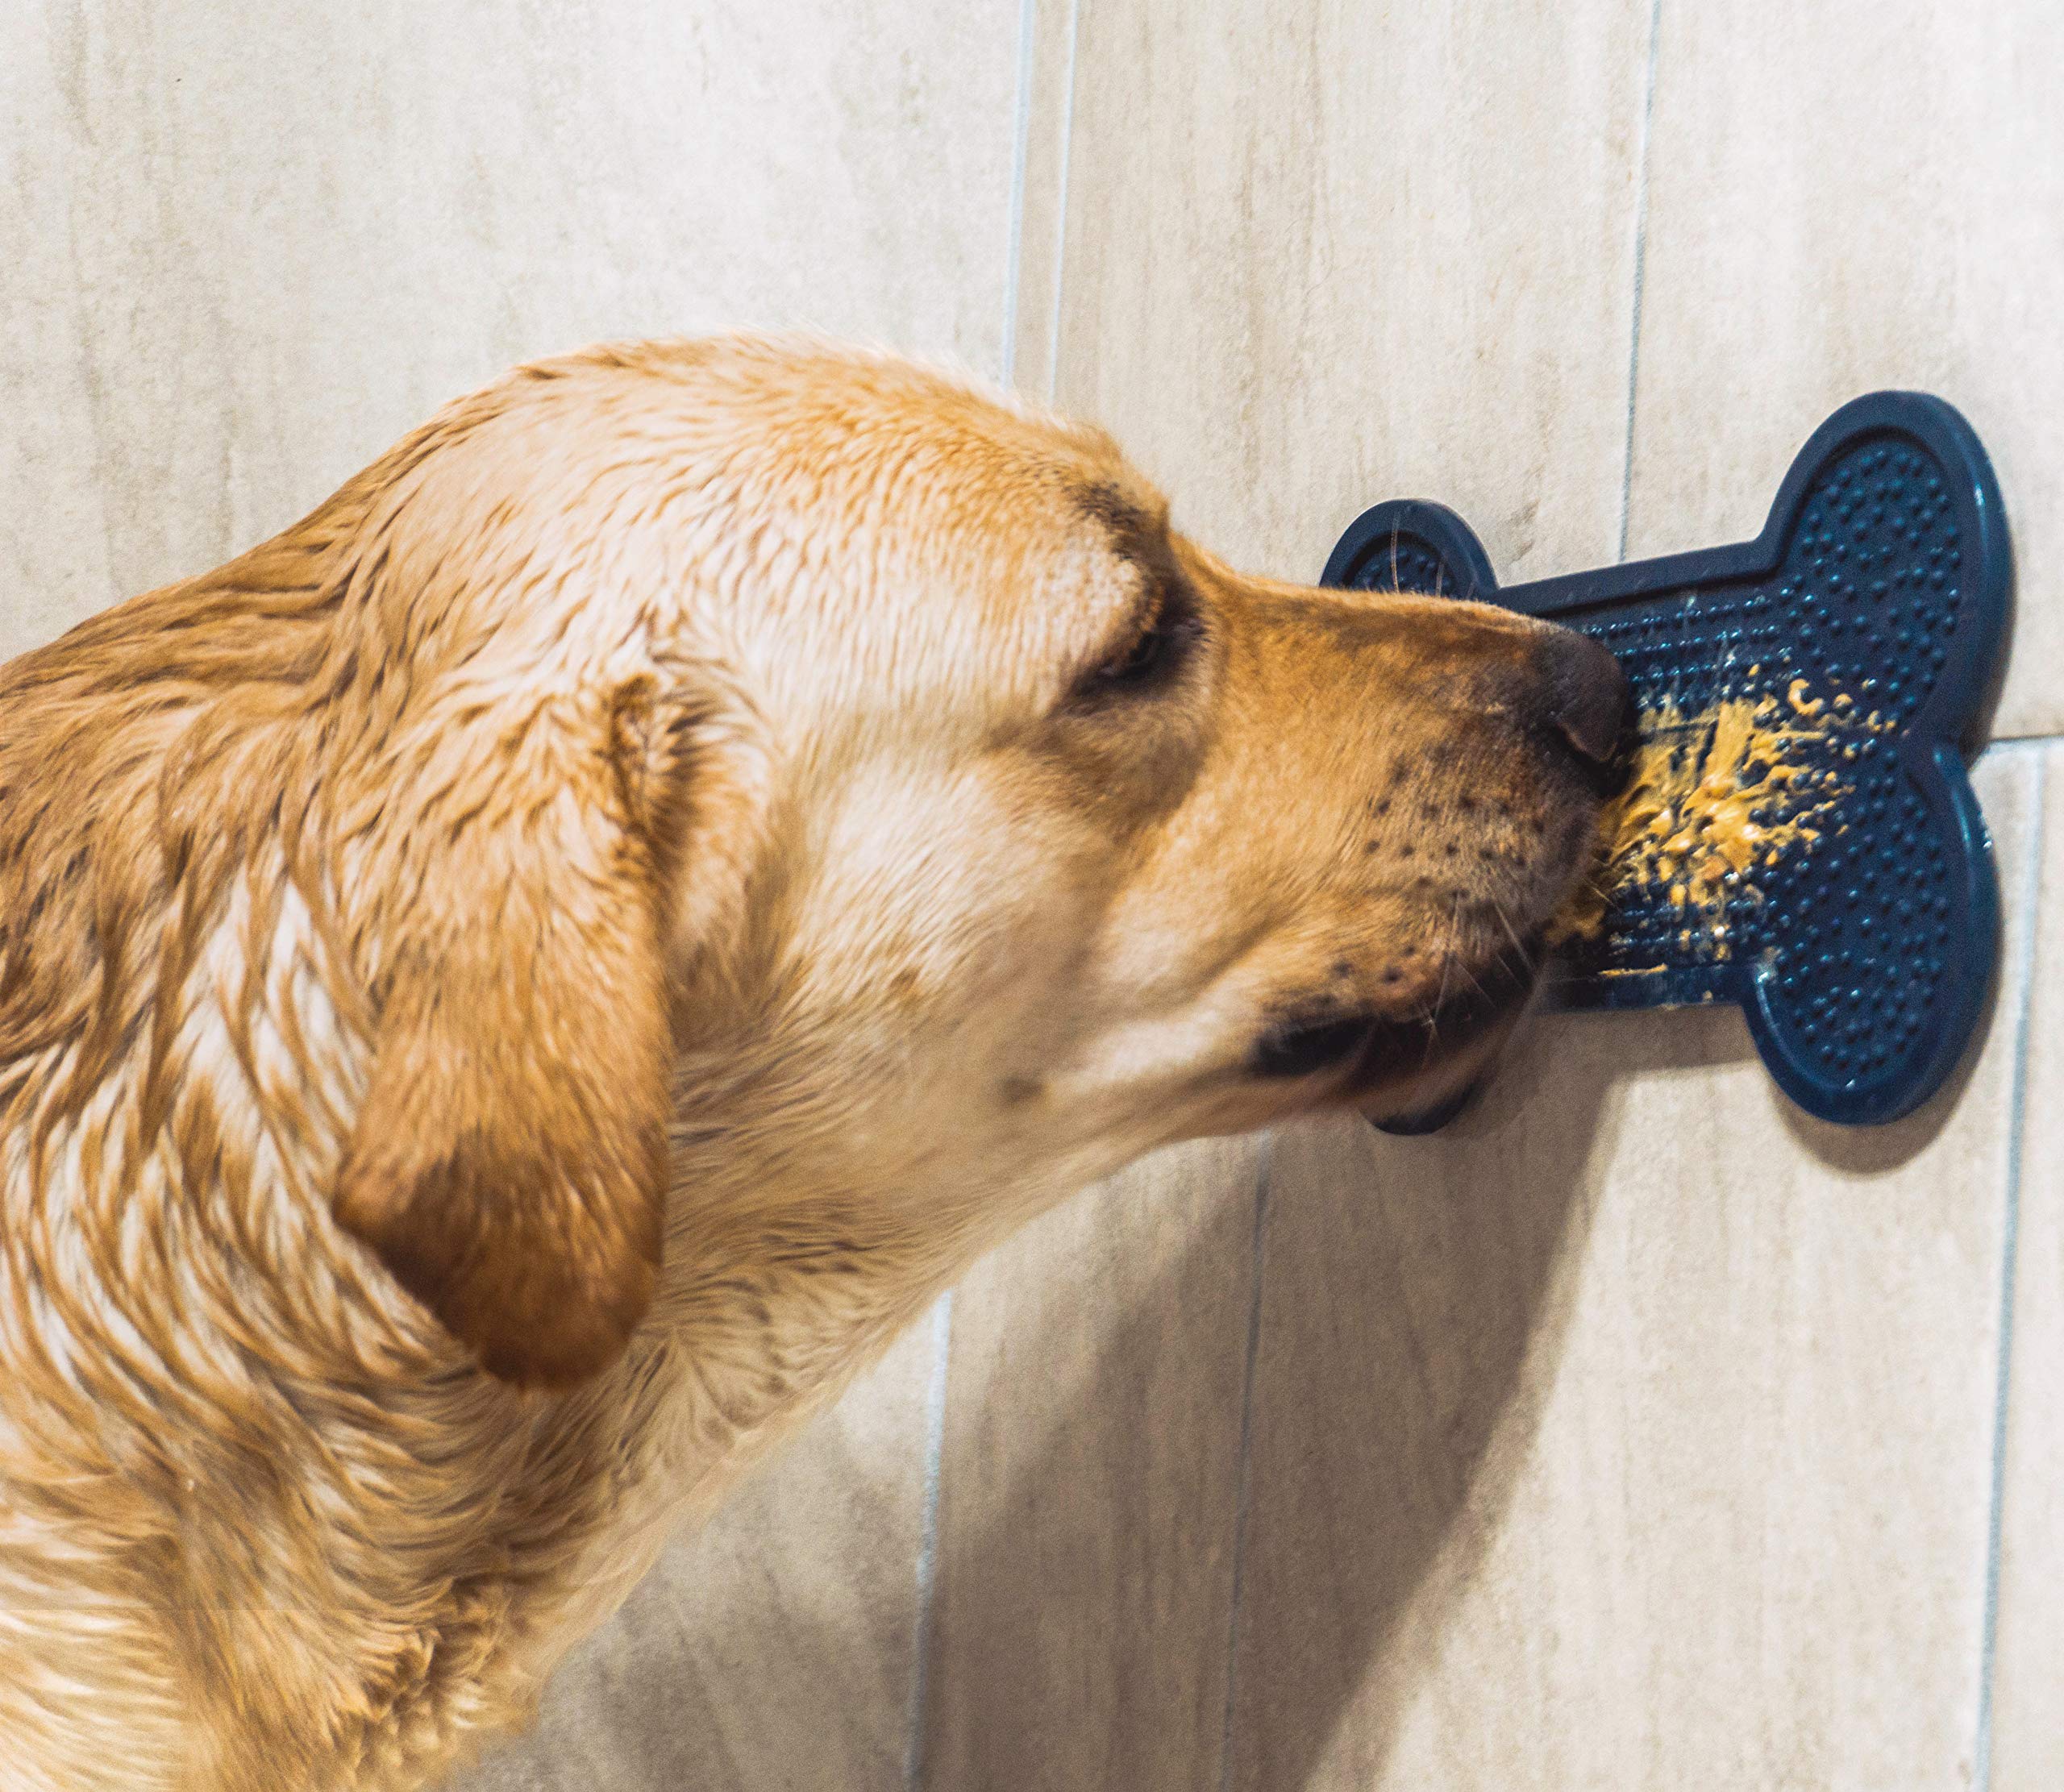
(1512, 932)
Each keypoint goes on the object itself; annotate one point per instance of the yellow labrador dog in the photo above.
(512, 990)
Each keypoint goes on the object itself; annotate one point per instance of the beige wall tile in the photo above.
(1844, 195)
(1324, 254)
(773, 1651)
(246, 250)
(1636, 1432)
(1089, 1488)
(2028, 1685)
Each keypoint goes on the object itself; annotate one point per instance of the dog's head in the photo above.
(781, 770)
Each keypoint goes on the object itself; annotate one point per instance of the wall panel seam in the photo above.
(1243, 1472)
(941, 1330)
(1641, 257)
(2024, 1003)
(942, 1315)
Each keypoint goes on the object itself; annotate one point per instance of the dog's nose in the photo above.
(1588, 698)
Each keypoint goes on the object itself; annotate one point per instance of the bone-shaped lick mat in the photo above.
(1800, 836)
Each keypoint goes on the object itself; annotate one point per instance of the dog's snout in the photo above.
(1588, 702)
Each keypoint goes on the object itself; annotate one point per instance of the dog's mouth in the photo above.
(1376, 1059)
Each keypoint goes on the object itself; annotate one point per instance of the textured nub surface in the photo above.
(1782, 830)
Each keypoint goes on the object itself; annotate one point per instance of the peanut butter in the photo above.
(1714, 799)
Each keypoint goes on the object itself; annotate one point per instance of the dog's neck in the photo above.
(491, 1527)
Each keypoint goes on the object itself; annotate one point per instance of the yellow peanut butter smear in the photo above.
(1715, 798)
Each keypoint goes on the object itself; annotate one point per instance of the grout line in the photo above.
(2009, 1245)
(1020, 153)
(1243, 1484)
(1641, 258)
(1060, 204)
(941, 1316)
(913, 1753)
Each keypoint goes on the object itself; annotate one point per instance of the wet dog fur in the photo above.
(514, 990)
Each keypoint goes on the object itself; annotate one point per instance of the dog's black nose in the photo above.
(1588, 701)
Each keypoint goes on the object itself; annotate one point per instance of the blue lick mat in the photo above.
(1801, 837)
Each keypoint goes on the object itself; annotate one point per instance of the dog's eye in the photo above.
(1141, 660)
(1151, 658)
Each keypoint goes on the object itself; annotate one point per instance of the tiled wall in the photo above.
(1636, 1432)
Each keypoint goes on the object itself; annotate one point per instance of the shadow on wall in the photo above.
(1411, 1301)
(1419, 1309)
(1414, 1296)
(772, 1648)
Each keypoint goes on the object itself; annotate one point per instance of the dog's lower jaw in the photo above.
(1431, 1102)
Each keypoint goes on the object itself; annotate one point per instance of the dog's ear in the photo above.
(509, 1160)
